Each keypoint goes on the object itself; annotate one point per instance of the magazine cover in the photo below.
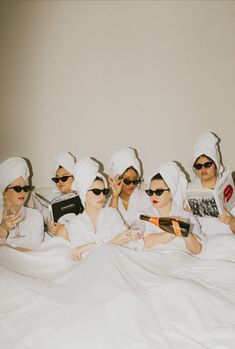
(204, 202)
(211, 202)
(65, 207)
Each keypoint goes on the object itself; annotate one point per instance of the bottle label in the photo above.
(176, 228)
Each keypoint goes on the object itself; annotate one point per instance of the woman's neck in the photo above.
(210, 183)
(68, 192)
(165, 211)
(125, 198)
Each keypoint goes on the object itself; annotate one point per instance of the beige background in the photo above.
(94, 76)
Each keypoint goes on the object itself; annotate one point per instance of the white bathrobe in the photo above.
(177, 243)
(31, 227)
(138, 203)
(109, 224)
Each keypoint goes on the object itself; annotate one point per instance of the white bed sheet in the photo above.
(117, 298)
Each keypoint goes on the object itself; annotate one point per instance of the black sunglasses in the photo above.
(134, 182)
(206, 165)
(97, 191)
(157, 192)
(63, 179)
(18, 188)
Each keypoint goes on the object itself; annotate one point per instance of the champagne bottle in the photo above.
(171, 225)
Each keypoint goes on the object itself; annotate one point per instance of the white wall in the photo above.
(94, 76)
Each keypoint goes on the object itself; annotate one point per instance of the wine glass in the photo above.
(13, 211)
(137, 227)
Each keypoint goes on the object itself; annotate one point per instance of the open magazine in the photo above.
(65, 207)
(211, 202)
(61, 209)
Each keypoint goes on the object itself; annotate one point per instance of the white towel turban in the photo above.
(122, 160)
(10, 170)
(85, 173)
(175, 180)
(66, 160)
(208, 144)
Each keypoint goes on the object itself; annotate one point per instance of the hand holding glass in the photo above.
(16, 212)
(138, 228)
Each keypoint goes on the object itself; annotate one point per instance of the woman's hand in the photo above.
(58, 229)
(115, 185)
(229, 219)
(76, 254)
(9, 221)
(226, 218)
(125, 237)
(54, 227)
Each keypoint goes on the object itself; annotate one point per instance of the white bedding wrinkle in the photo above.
(116, 298)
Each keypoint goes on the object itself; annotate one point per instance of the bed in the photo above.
(118, 298)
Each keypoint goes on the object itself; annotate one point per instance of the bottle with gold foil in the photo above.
(170, 225)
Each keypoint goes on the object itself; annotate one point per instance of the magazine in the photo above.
(58, 207)
(65, 207)
(41, 202)
(211, 202)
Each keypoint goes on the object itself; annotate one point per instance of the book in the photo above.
(65, 207)
(212, 202)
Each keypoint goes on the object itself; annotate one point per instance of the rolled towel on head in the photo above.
(65, 160)
(10, 170)
(207, 144)
(176, 181)
(86, 170)
(121, 160)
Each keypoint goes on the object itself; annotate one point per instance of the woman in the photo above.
(63, 176)
(167, 194)
(97, 224)
(14, 190)
(208, 169)
(124, 180)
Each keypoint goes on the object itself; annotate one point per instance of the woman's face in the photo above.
(14, 198)
(93, 200)
(163, 200)
(205, 174)
(131, 175)
(66, 186)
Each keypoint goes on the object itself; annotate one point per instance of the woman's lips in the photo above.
(155, 202)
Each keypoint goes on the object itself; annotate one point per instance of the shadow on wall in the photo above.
(29, 179)
(233, 177)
